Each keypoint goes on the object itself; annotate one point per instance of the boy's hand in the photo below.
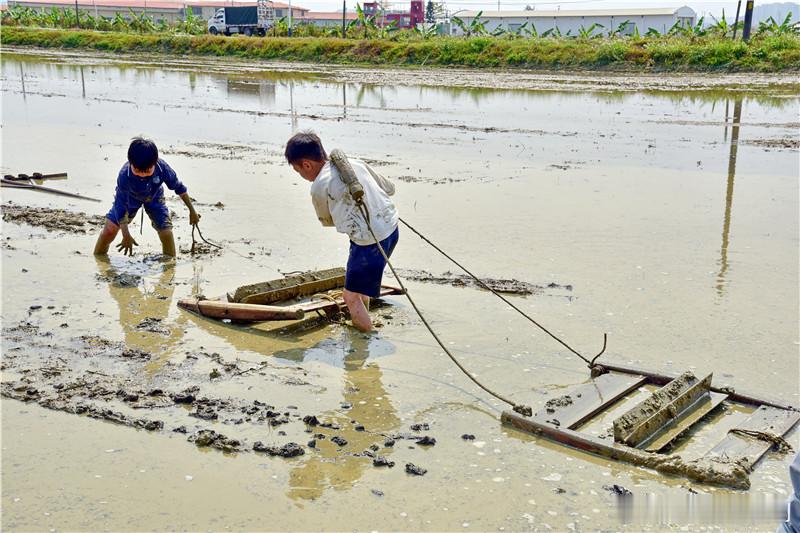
(127, 244)
(194, 218)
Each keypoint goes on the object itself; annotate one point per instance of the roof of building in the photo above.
(328, 15)
(151, 4)
(536, 13)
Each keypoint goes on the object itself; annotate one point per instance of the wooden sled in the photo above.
(288, 298)
(644, 434)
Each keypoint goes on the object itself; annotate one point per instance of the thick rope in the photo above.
(517, 309)
(781, 445)
(518, 408)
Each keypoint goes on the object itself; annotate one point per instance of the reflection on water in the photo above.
(144, 308)
(371, 407)
(726, 225)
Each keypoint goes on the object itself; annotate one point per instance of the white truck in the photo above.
(245, 20)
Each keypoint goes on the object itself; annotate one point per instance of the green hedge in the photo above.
(768, 54)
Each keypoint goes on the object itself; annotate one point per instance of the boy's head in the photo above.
(304, 151)
(143, 156)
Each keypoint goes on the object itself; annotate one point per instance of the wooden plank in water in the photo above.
(677, 427)
(726, 474)
(667, 403)
(582, 403)
(298, 286)
(736, 446)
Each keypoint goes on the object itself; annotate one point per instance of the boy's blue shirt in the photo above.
(133, 191)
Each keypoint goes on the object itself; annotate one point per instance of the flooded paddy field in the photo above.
(663, 211)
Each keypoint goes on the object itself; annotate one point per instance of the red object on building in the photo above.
(404, 19)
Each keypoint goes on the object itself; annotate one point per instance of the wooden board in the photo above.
(647, 418)
(241, 312)
(220, 308)
(298, 286)
(590, 399)
(662, 378)
(728, 473)
(768, 419)
(677, 427)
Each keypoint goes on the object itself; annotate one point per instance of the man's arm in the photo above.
(383, 183)
(320, 201)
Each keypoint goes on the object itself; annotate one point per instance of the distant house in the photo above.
(571, 21)
(401, 18)
(166, 10)
(329, 18)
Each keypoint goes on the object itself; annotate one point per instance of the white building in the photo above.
(569, 22)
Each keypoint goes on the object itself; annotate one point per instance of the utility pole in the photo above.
(748, 20)
(77, 16)
(344, 19)
(289, 30)
(736, 23)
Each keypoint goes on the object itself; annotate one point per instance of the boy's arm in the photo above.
(383, 183)
(194, 216)
(128, 242)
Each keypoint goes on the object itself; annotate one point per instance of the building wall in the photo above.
(572, 25)
(158, 14)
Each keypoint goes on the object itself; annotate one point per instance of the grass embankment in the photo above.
(766, 54)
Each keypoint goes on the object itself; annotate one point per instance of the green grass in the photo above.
(764, 54)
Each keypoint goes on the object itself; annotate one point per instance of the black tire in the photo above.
(262, 32)
(213, 31)
(248, 32)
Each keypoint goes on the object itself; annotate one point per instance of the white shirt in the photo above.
(335, 206)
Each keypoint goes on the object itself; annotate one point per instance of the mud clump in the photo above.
(382, 461)
(208, 438)
(426, 441)
(339, 441)
(776, 144)
(468, 436)
(291, 449)
(504, 286)
(420, 427)
(561, 401)
(122, 280)
(153, 325)
(51, 219)
(619, 490)
(415, 470)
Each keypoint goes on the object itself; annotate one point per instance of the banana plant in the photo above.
(771, 26)
(475, 27)
(531, 32)
(652, 32)
(587, 33)
(720, 26)
(553, 32)
(620, 30)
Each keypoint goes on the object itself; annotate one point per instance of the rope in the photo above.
(781, 445)
(518, 408)
(332, 298)
(194, 241)
(517, 309)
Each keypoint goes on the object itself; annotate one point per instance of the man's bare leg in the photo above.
(167, 242)
(358, 310)
(106, 237)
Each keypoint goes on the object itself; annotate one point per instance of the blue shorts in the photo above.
(156, 210)
(365, 266)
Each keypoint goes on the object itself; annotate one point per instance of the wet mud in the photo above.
(52, 219)
(503, 286)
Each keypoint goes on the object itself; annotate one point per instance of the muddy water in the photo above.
(669, 207)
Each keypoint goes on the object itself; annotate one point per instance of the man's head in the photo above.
(305, 153)
(143, 156)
